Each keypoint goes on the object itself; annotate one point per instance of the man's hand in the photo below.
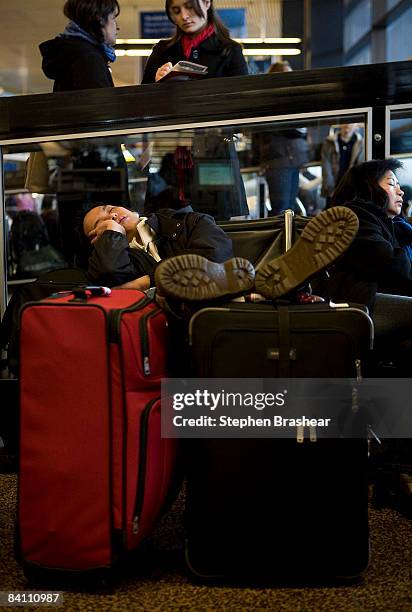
(163, 70)
(141, 283)
(102, 226)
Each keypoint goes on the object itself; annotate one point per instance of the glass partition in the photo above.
(244, 171)
(401, 148)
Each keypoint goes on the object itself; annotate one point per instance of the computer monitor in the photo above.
(214, 175)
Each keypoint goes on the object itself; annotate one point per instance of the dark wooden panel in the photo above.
(169, 103)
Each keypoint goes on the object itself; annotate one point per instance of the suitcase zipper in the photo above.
(144, 338)
(300, 431)
(300, 434)
(142, 465)
(115, 318)
(355, 395)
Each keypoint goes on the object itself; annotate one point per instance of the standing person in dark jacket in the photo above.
(281, 154)
(201, 37)
(80, 58)
(340, 151)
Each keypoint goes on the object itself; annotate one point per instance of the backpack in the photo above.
(31, 251)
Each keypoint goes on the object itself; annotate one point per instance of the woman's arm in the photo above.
(155, 61)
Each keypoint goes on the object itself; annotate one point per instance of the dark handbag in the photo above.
(38, 261)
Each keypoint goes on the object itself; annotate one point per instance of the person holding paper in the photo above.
(203, 39)
(200, 37)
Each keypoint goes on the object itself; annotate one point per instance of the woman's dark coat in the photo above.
(375, 261)
(75, 63)
(210, 152)
(221, 60)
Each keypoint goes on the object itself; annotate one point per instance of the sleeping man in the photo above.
(124, 249)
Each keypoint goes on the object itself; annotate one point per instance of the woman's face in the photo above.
(110, 29)
(390, 184)
(186, 19)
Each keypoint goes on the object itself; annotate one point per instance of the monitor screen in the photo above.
(215, 174)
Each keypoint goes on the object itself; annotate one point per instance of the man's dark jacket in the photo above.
(221, 60)
(74, 63)
(375, 261)
(178, 232)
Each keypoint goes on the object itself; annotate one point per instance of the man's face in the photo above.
(347, 130)
(124, 217)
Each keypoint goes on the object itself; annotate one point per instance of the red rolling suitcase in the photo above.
(94, 470)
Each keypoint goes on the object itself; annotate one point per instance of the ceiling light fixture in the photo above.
(251, 51)
(248, 41)
(142, 47)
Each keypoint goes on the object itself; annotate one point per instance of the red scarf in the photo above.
(188, 43)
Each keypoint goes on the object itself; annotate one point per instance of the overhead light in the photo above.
(269, 41)
(133, 52)
(248, 41)
(251, 51)
(273, 51)
(129, 158)
(261, 47)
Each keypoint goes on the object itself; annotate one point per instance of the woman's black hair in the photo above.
(213, 19)
(91, 15)
(362, 182)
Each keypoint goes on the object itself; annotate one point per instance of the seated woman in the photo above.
(375, 260)
(375, 270)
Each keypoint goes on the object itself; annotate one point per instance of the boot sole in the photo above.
(323, 240)
(195, 278)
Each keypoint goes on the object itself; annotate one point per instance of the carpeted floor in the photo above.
(386, 586)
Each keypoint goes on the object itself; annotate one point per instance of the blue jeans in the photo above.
(283, 186)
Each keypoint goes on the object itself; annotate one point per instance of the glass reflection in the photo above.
(245, 172)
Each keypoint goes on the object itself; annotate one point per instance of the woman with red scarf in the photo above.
(200, 37)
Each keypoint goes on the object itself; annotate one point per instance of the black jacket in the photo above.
(178, 232)
(74, 63)
(221, 60)
(375, 261)
(281, 148)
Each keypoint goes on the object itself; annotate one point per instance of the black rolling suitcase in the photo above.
(274, 509)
